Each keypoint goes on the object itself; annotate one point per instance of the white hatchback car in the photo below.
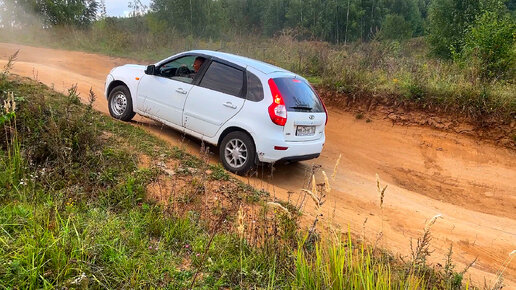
(253, 111)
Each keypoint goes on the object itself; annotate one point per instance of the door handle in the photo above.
(181, 91)
(229, 105)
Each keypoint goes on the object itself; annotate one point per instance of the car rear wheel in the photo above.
(120, 103)
(237, 152)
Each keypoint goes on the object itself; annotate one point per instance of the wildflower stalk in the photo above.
(241, 229)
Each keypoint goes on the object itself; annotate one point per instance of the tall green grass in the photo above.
(337, 264)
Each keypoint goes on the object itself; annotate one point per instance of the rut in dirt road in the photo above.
(472, 184)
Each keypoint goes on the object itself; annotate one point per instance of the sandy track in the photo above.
(471, 183)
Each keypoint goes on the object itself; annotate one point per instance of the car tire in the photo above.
(120, 103)
(237, 152)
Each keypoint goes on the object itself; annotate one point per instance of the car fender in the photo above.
(130, 75)
(237, 124)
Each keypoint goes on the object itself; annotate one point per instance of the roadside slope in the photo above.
(469, 182)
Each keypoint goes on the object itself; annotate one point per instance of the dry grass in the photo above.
(421, 250)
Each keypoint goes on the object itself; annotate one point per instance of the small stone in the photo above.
(392, 117)
(169, 172)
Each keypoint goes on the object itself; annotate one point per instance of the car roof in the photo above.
(242, 61)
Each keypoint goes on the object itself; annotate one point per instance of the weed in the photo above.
(499, 277)
(421, 251)
(12, 165)
(8, 66)
(219, 173)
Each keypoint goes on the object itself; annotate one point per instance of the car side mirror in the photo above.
(151, 70)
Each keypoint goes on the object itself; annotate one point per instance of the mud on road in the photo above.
(471, 183)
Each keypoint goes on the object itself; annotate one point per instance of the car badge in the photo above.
(311, 117)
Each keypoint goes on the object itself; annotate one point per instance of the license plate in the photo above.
(305, 130)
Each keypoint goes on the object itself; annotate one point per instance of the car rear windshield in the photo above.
(298, 95)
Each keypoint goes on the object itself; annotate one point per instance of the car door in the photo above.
(164, 94)
(217, 98)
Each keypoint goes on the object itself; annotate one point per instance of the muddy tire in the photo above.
(120, 103)
(237, 152)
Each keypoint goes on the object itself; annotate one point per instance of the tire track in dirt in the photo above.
(471, 183)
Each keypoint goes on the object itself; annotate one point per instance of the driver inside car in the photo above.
(183, 71)
(198, 63)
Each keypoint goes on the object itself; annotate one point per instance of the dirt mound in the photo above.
(487, 128)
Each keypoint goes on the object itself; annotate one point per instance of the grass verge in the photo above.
(87, 201)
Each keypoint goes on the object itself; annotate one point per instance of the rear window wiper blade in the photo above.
(301, 108)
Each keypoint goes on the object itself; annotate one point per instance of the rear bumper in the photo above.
(297, 151)
(299, 158)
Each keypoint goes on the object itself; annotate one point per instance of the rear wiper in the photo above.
(301, 108)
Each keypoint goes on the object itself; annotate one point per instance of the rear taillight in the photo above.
(277, 110)
(326, 111)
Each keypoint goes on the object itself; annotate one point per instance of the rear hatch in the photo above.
(306, 115)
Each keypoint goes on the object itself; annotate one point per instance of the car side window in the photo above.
(254, 88)
(180, 69)
(224, 79)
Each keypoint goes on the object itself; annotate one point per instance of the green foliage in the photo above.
(340, 264)
(11, 161)
(6, 117)
(336, 21)
(64, 12)
(196, 17)
(395, 27)
(411, 12)
(218, 172)
(331, 20)
(448, 23)
(41, 13)
(490, 46)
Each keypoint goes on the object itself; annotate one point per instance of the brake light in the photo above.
(277, 110)
(325, 111)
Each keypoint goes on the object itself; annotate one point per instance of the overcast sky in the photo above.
(119, 7)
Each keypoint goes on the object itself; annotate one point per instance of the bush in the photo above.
(490, 46)
(448, 21)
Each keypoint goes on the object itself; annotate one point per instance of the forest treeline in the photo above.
(458, 29)
(443, 53)
(336, 21)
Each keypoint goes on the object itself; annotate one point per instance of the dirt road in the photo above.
(470, 183)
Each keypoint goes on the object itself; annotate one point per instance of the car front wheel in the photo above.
(237, 152)
(120, 103)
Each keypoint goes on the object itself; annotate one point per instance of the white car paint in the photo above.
(182, 106)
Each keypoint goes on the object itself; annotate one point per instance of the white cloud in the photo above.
(120, 8)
